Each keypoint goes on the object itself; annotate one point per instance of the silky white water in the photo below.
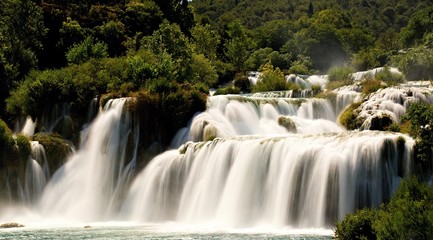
(293, 180)
(88, 186)
(246, 162)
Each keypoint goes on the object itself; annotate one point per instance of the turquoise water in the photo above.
(149, 232)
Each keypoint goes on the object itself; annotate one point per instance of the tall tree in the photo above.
(21, 34)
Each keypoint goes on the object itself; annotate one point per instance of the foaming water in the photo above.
(305, 181)
(265, 166)
(89, 184)
(244, 115)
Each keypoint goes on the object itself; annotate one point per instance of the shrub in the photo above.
(409, 214)
(348, 118)
(87, 49)
(227, 90)
(357, 226)
(13, 149)
(419, 116)
(271, 80)
(56, 148)
(242, 82)
(343, 74)
(371, 86)
(391, 78)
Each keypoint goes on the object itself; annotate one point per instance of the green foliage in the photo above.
(6, 139)
(357, 226)
(371, 86)
(417, 63)
(202, 70)
(162, 113)
(341, 74)
(299, 67)
(86, 50)
(56, 148)
(420, 118)
(238, 45)
(71, 33)
(169, 39)
(258, 58)
(227, 90)
(394, 127)
(272, 79)
(390, 78)
(409, 215)
(206, 41)
(421, 22)
(15, 149)
(113, 34)
(242, 83)
(142, 16)
(349, 117)
(369, 58)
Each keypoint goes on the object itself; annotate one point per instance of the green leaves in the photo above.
(86, 50)
(409, 215)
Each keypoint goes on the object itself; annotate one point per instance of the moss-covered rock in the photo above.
(287, 123)
(56, 148)
(349, 117)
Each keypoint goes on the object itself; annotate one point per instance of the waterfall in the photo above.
(234, 115)
(37, 173)
(90, 185)
(295, 180)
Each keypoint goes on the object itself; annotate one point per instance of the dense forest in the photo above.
(71, 51)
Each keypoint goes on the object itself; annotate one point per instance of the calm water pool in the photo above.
(98, 231)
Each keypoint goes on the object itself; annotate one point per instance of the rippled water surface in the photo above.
(155, 232)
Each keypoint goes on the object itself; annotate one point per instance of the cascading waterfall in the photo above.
(89, 186)
(296, 180)
(243, 115)
(247, 161)
(37, 173)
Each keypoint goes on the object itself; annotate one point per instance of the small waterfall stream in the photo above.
(90, 184)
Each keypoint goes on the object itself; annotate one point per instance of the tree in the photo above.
(206, 41)
(21, 34)
(142, 16)
(238, 45)
(420, 23)
(87, 50)
(170, 39)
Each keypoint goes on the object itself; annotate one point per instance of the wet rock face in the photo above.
(380, 122)
(287, 123)
(11, 225)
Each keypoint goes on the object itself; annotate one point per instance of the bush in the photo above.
(271, 80)
(343, 74)
(419, 116)
(371, 86)
(408, 215)
(227, 90)
(389, 77)
(348, 118)
(14, 150)
(242, 82)
(56, 148)
(357, 226)
(87, 49)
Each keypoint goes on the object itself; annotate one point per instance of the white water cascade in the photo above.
(235, 115)
(295, 180)
(89, 186)
(246, 161)
(37, 173)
